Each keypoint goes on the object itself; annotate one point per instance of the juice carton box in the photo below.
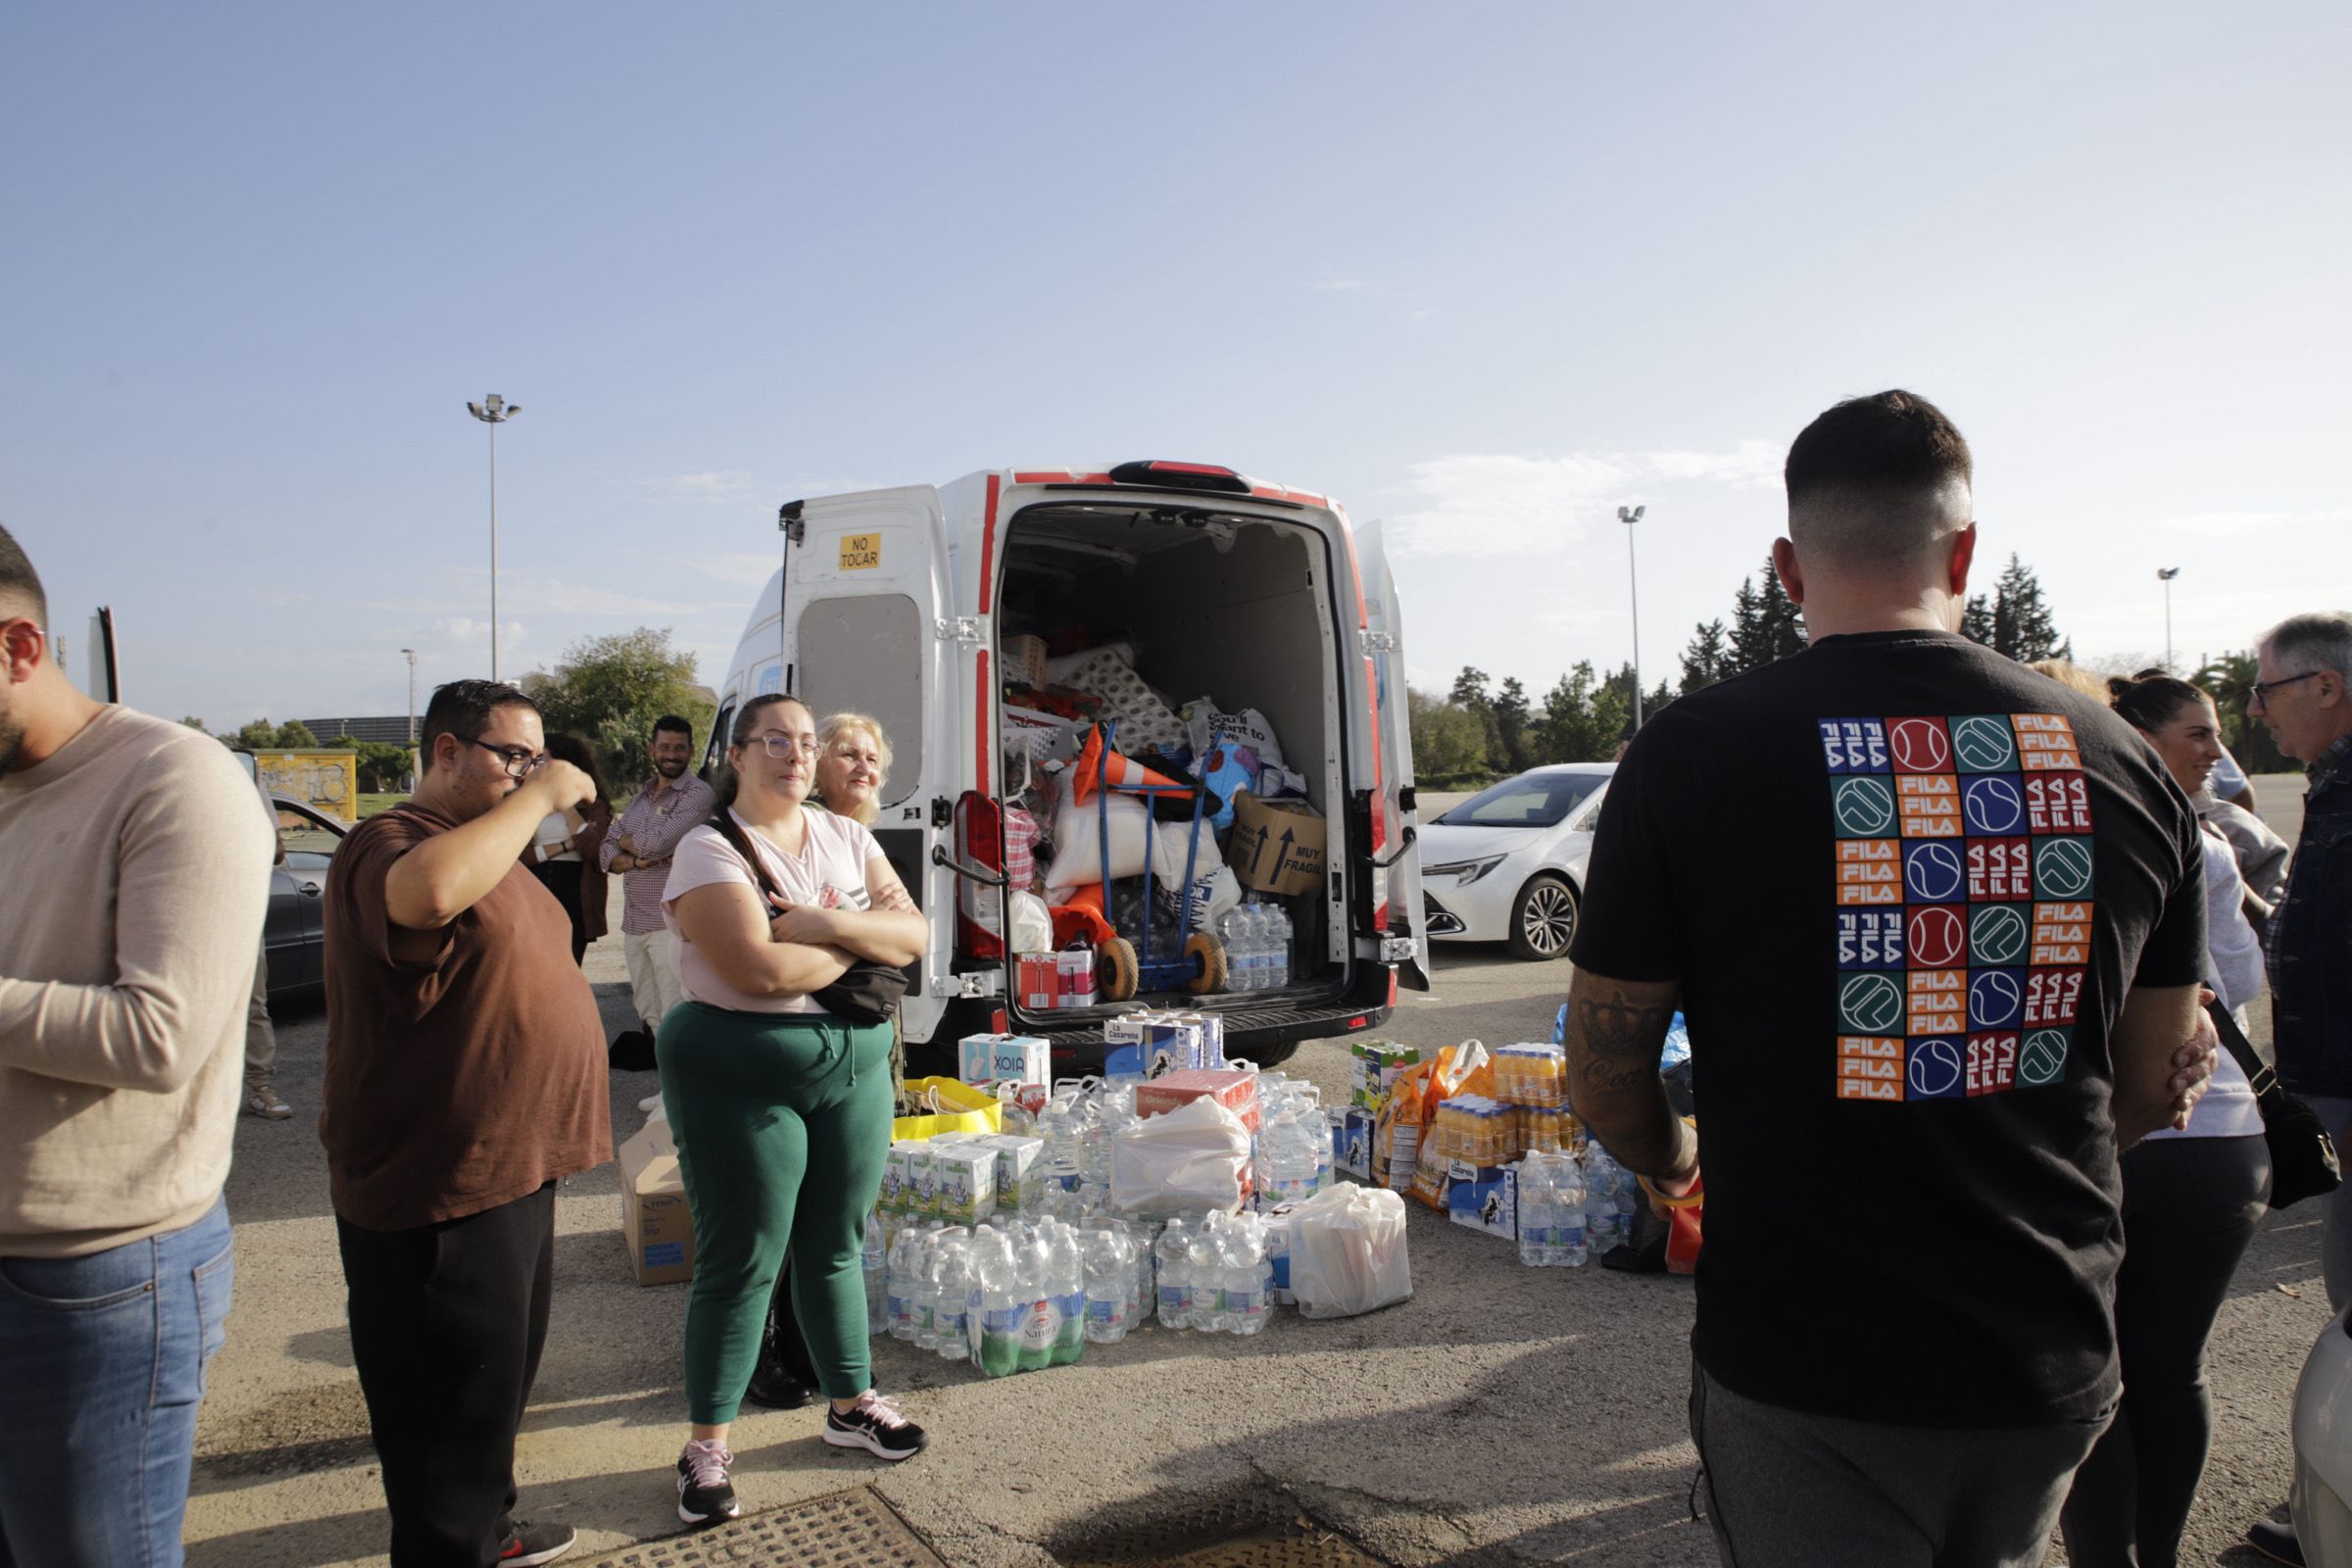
(1232, 1088)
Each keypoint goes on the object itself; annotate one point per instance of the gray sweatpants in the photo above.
(1789, 1489)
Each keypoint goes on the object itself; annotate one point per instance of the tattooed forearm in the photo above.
(1616, 1033)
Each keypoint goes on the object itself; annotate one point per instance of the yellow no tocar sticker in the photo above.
(861, 552)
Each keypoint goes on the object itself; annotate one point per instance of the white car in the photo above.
(1509, 864)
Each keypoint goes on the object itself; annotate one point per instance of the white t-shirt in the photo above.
(828, 872)
(2234, 964)
(553, 829)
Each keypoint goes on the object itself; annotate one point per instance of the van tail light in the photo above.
(979, 908)
(1380, 872)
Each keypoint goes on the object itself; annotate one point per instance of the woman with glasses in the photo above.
(850, 769)
(781, 1109)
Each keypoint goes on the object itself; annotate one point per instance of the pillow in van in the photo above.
(1060, 665)
(1209, 727)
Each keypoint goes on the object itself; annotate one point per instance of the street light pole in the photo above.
(494, 411)
(2164, 575)
(1629, 516)
(412, 655)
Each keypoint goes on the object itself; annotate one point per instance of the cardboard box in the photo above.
(994, 1058)
(1020, 1172)
(967, 1181)
(1235, 1090)
(1483, 1198)
(1023, 658)
(1163, 1043)
(1352, 1140)
(1277, 846)
(1375, 1069)
(655, 1222)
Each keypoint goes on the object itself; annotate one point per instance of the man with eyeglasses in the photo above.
(671, 804)
(465, 1078)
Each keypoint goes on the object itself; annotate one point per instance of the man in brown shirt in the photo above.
(464, 1077)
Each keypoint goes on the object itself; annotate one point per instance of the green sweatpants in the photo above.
(783, 1125)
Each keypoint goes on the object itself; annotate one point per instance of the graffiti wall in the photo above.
(326, 781)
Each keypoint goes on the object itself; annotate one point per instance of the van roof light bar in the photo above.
(1182, 476)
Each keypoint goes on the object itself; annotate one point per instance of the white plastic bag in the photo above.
(1032, 924)
(1077, 837)
(1207, 725)
(1348, 1253)
(1180, 1162)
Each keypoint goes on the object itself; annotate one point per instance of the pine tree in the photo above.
(2022, 625)
(1976, 620)
(1765, 624)
(1469, 689)
(1511, 714)
(1748, 637)
(1707, 660)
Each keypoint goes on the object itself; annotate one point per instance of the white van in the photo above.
(905, 603)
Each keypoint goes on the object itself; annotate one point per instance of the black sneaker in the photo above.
(704, 1492)
(529, 1545)
(776, 1387)
(875, 1424)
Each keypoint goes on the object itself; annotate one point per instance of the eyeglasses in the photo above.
(519, 763)
(2264, 688)
(786, 745)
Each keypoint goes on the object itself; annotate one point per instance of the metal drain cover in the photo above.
(847, 1530)
(1259, 1531)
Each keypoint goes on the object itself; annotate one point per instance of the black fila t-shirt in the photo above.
(1904, 883)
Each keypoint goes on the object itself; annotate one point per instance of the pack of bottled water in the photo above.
(1215, 1273)
(1551, 1211)
(1257, 938)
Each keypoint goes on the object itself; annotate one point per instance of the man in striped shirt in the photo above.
(639, 845)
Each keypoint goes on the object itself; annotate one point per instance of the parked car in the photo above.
(293, 935)
(1509, 864)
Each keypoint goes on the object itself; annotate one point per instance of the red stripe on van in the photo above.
(1305, 497)
(983, 717)
(988, 544)
(1363, 622)
(1057, 476)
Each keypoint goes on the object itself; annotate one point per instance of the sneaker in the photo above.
(650, 1103)
(529, 1545)
(262, 1100)
(704, 1492)
(875, 1424)
(2275, 1541)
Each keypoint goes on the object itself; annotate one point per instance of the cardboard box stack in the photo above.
(1163, 1041)
(655, 1223)
(1363, 1148)
(1235, 1090)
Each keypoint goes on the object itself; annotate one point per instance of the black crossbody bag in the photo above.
(871, 992)
(2303, 1162)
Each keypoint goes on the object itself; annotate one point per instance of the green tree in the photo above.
(384, 765)
(1707, 660)
(1511, 716)
(2022, 623)
(609, 690)
(259, 736)
(196, 724)
(1583, 716)
(1450, 742)
(295, 735)
(1976, 620)
(1765, 624)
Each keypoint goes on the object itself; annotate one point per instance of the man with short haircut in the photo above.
(137, 872)
(465, 1077)
(671, 804)
(1936, 925)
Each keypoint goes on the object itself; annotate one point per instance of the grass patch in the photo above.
(369, 805)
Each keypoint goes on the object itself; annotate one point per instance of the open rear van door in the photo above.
(865, 589)
(1396, 851)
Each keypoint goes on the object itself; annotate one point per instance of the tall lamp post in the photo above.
(1629, 516)
(494, 411)
(2164, 575)
(412, 658)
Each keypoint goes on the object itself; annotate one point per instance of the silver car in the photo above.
(1509, 864)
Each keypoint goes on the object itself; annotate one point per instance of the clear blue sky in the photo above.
(1487, 272)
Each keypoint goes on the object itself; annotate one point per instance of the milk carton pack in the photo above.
(994, 1058)
(897, 1182)
(1212, 1035)
(1020, 1171)
(1167, 1042)
(1483, 1198)
(923, 1181)
(1351, 1138)
(1278, 1253)
(966, 1175)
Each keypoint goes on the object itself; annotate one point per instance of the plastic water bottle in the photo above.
(1234, 931)
(996, 1299)
(875, 1262)
(1204, 1257)
(1287, 1161)
(922, 1300)
(1539, 1211)
(1248, 1275)
(1568, 1225)
(1109, 1285)
(1278, 945)
(1173, 1253)
(1067, 1281)
(1042, 1327)
(1262, 948)
(900, 1283)
(1604, 1226)
(949, 1317)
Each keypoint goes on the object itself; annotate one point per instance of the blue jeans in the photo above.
(102, 1362)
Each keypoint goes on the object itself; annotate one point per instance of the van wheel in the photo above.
(1118, 959)
(1210, 952)
(1542, 918)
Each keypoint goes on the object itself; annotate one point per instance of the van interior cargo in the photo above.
(1203, 642)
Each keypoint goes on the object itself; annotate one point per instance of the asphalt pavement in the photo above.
(1503, 1415)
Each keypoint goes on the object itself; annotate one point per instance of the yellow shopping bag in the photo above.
(954, 1107)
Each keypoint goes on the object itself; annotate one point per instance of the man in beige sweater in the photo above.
(135, 872)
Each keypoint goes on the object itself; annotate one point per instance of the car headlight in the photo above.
(1465, 872)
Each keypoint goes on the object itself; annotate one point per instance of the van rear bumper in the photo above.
(1265, 1034)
